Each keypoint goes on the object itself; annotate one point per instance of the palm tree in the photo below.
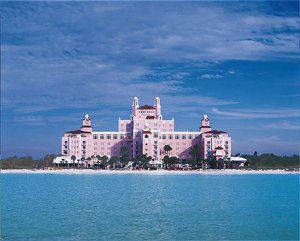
(167, 149)
(87, 161)
(173, 160)
(99, 159)
(144, 160)
(82, 160)
(166, 161)
(124, 154)
(73, 158)
(104, 160)
(195, 152)
(113, 160)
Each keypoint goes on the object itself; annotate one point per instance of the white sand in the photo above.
(145, 172)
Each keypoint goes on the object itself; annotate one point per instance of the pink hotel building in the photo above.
(146, 133)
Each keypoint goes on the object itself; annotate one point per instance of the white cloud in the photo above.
(259, 113)
(285, 125)
(211, 76)
(267, 144)
(30, 120)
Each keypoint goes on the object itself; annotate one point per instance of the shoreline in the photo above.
(147, 172)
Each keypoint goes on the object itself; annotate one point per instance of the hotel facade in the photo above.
(146, 133)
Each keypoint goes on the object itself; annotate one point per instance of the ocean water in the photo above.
(149, 207)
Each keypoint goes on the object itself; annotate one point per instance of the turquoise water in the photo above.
(149, 207)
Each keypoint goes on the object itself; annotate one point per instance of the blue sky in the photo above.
(238, 62)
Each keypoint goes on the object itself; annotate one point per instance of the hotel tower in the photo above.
(146, 133)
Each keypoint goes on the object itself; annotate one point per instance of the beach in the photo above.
(150, 172)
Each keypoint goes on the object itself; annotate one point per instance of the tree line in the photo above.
(27, 162)
(255, 161)
(271, 161)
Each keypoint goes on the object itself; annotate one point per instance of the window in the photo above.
(108, 136)
(101, 136)
(226, 142)
(170, 137)
(136, 134)
(190, 137)
(146, 136)
(121, 136)
(176, 137)
(183, 136)
(95, 136)
(115, 136)
(163, 136)
(155, 134)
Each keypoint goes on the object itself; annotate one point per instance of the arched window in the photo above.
(146, 136)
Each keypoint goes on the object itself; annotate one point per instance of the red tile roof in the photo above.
(215, 132)
(219, 148)
(85, 126)
(146, 107)
(77, 132)
(150, 117)
(147, 132)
